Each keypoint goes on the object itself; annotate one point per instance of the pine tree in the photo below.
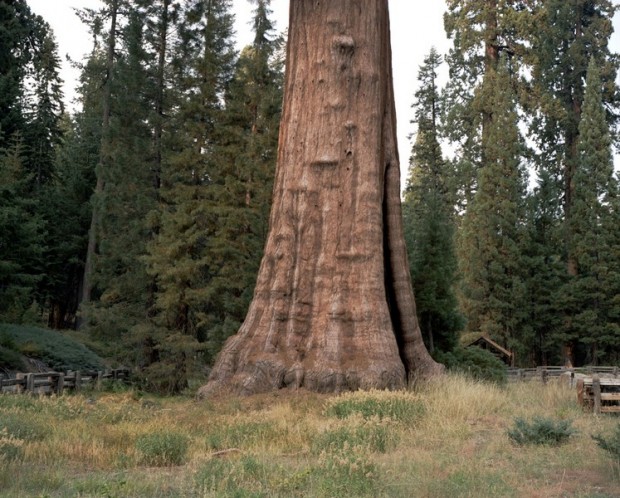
(202, 65)
(240, 194)
(492, 235)
(21, 236)
(566, 36)
(590, 292)
(429, 220)
(545, 274)
(112, 9)
(128, 193)
(68, 197)
(481, 32)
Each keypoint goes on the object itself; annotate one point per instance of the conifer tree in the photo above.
(241, 192)
(481, 31)
(429, 220)
(128, 193)
(68, 197)
(545, 274)
(202, 65)
(21, 236)
(566, 36)
(492, 235)
(591, 291)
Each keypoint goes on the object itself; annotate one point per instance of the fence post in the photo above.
(543, 375)
(99, 379)
(19, 387)
(60, 384)
(78, 381)
(580, 391)
(30, 382)
(596, 392)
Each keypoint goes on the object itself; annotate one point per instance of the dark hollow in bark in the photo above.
(333, 307)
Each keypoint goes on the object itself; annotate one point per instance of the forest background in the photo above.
(139, 217)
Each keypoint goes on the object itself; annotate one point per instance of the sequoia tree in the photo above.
(333, 307)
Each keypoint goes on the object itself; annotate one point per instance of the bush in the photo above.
(540, 431)
(476, 363)
(51, 347)
(162, 449)
(610, 444)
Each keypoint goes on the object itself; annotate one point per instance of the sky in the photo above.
(416, 26)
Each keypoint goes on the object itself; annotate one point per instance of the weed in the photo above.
(611, 444)
(10, 447)
(241, 435)
(20, 427)
(347, 472)
(162, 449)
(371, 434)
(402, 406)
(541, 431)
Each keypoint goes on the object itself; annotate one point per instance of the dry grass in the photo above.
(446, 439)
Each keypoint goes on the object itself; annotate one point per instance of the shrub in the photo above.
(610, 444)
(162, 449)
(476, 363)
(401, 406)
(50, 346)
(541, 431)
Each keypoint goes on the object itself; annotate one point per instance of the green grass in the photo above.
(56, 350)
(447, 439)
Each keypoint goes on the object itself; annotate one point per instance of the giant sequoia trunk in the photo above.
(333, 307)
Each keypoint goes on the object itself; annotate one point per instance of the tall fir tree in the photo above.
(202, 65)
(566, 36)
(428, 217)
(481, 31)
(128, 194)
(241, 193)
(492, 237)
(21, 236)
(590, 292)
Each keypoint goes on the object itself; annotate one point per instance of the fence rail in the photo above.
(545, 373)
(58, 382)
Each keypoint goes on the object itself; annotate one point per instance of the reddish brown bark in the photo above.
(333, 307)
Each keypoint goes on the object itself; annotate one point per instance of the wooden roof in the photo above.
(491, 344)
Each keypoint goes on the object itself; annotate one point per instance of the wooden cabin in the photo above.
(492, 347)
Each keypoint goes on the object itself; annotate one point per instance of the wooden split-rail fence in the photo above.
(545, 373)
(599, 394)
(58, 382)
(598, 388)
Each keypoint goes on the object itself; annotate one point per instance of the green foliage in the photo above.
(591, 293)
(492, 238)
(476, 363)
(401, 407)
(540, 431)
(162, 449)
(610, 443)
(428, 220)
(56, 350)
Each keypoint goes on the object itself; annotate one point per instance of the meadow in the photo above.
(448, 438)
